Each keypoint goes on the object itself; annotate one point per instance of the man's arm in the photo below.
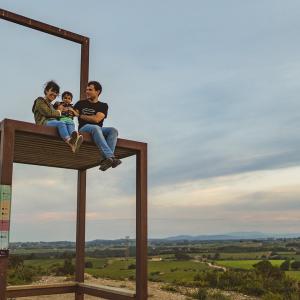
(97, 118)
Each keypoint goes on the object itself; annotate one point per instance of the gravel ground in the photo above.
(155, 292)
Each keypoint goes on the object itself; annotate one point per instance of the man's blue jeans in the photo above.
(104, 137)
(64, 129)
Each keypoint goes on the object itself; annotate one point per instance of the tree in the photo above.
(285, 266)
(181, 256)
(16, 262)
(264, 267)
(67, 269)
(295, 265)
(88, 264)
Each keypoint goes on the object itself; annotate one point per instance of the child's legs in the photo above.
(61, 127)
(70, 127)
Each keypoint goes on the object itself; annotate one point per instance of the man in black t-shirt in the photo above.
(92, 113)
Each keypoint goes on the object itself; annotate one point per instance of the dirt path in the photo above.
(216, 267)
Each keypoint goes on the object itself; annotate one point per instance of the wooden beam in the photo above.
(52, 132)
(3, 272)
(6, 153)
(84, 67)
(107, 292)
(80, 231)
(36, 290)
(6, 171)
(141, 224)
(43, 27)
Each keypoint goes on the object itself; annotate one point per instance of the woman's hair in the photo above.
(51, 85)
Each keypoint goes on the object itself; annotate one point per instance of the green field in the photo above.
(293, 274)
(245, 264)
(166, 271)
(44, 264)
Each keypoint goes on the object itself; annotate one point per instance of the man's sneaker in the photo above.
(106, 164)
(77, 144)
(116, 162)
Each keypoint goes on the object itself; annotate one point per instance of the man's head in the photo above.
(51, 90)
(67, 97)
(93, 90)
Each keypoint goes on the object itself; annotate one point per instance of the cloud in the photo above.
(213, 93)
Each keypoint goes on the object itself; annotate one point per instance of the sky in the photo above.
(213, 88)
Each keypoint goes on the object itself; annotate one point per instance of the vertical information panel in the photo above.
(5, 205)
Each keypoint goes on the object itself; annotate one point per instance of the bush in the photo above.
(271, 296)
(200, 294)
(67, 269)
(197, 277)
(170, 288)
(88, 264)
(155, 273)
(131, 267)
(182, 256)
(295, 265)
(285, 266)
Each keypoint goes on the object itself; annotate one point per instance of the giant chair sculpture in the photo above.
(28, 143)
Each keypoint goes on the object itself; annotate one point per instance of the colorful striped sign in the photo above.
(5, 205)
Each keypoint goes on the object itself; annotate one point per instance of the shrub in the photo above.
(295, 265)
(170, 288)
(271, 296)
(131, 267)
(67, 269)
(285, 266)
(197, 277)
(88, 264)
(200, 294)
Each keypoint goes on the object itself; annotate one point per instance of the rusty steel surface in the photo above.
(40, 26)
(36, 290)
(84, 67)
(6, 169)
(41, 145)
(28, 143)
(107, 292)
(80, 231)
(141, 224)
(58, 32)
(3, 273)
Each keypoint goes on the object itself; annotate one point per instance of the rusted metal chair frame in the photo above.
(12, 130)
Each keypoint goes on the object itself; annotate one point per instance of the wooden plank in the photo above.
(107, 292)
(141, 224)
(80, 231)
(26, 127)
(3, 272)
(36, 290)
(43, 27)
(84, 67)
(50, 150)
(6, 170)
(6, 153)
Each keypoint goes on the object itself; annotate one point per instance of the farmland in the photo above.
(240, 266)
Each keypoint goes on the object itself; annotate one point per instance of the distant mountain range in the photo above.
(209, 237)
(232, 236)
